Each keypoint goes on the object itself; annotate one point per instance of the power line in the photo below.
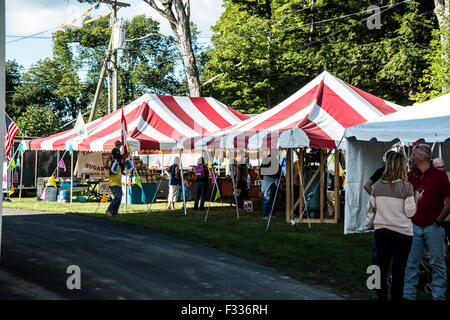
(23, 36)
(304, 25)
(32, 35)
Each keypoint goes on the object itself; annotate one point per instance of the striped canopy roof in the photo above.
(154, 122)
(315, 116)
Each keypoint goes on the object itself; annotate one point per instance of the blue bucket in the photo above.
(64, 196)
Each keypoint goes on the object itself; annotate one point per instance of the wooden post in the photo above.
(321, 184)
(35, 168)
(288, 185)
(57, 164)
(337, 204)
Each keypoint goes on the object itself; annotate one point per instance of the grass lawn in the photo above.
(322, 256)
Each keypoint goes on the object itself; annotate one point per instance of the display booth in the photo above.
(314, 117)
(153, 122)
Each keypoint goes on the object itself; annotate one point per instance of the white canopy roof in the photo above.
(429, 121)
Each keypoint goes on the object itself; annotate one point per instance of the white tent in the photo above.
(366, 144)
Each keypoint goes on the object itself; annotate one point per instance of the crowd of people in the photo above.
(411, 221)
(201, 174)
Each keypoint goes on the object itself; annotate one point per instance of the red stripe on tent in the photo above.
(378, 103)
(209, 112)
(291, 109)
(175, 108)
(241, 141)
(160, 125)
(115, 126)
(271, 140)
(241, 116)
(317, 137)
(337, 108)
(215, 142)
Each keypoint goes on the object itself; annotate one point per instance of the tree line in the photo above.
(262, 52)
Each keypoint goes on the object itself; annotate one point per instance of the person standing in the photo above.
(201, 183)
(241, 182)
(174, 183)
(115, 165)
(393, 198)
(270, 178)
(432, 210)
(368, 187)
(439, 164)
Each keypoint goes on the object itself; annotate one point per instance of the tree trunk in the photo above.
(178, 14)
(442, 11)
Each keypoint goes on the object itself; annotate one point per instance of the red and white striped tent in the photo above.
(154, 122)
(315, 116)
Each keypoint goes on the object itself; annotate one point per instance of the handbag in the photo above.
(370, 216)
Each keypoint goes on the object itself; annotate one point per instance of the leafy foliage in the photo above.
(38, 121)
(264, 60)
(13, 79)
(67, 81)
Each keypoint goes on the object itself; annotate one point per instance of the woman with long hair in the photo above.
(393, 198)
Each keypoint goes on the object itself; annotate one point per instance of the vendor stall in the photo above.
(314, 117)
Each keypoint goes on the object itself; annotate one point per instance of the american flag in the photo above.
(10, 132)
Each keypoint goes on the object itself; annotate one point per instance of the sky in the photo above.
(25, 17)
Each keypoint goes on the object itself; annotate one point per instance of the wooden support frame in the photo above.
(324, 155)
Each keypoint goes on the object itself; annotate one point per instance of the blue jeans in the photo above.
(200, 191)
(432, 238)
(268, 201)
(115, 203)
(374, 251)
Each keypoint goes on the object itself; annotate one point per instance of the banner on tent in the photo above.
(91, 163)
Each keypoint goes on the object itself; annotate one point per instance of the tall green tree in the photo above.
(436, 78)
(13, 79)
(263, 58)
(38, 121)
(67, 81)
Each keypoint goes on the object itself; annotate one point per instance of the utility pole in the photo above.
(114, 62)
(113, 52)
(115, 80)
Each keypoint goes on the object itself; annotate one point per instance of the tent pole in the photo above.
(209, 205)
(234, 189)
(274, 202)
(214, 175)
(71, 178)
(57, 161)
(288, 186)
(321, 183)
(149, 207)
(126, 193)
(35, 168)
(182, 184)
(301, 194)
